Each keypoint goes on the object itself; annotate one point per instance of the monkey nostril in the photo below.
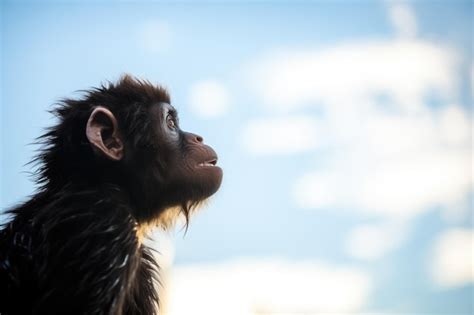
(193, 138)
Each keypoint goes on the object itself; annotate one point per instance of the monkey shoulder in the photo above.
(73, 250)
(15, 268)
(90, 225)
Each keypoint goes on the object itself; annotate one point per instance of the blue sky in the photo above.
(343, 129)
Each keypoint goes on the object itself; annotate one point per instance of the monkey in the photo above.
(115, 165)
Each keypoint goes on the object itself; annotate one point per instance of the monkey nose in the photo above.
(199, 138)
(191, 137)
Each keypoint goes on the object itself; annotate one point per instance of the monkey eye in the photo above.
(170, 121)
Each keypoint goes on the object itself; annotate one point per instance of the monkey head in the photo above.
(128, 135)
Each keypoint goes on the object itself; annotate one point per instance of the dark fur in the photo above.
(74, 247)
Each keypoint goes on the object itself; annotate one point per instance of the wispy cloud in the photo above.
(391, 154)
(370, 242)
(403, 19)
(269, 286)
(451, 263)
(394, 155)
(395, 166)
(155, 36)
(344, 77)
(282, 135)
(209, 99)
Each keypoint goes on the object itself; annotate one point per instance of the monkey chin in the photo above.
(168, 218)
(212, 171)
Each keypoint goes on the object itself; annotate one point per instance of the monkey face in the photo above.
(159, 165)
(191, 169)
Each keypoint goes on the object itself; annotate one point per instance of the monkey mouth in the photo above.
(211, 163)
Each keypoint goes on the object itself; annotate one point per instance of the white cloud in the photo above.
(452, 263)
(455, 126)
(396, 166)
(344, 77)
(391, 154)
(270, 286)
(155, 36)
(458, 212)
(281, 135)
(370, 242)
(387, 152)
(403, 19)
(209, 99)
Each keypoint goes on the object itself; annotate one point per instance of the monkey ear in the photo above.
(102, 132)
